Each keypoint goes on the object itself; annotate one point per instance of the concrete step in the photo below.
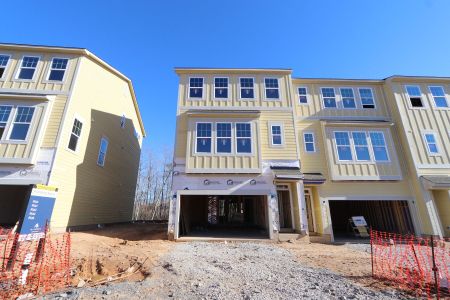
(284, 237)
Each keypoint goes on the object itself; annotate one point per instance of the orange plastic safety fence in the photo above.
(33, 267)
(418, 264)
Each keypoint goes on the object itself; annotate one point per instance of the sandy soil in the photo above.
(131, 249)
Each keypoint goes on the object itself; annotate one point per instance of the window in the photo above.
(271, 85)
(367, 100)
(430, 140)
(348, 98)
(5, 111)
(438, 96)
(329, 98)
(21, 123)
(123, 121)
(28, 67)
(247, 88)
(57, 69)
(361, 146)
(243, 138)
(223, 137)
(221, 87)
(75, 135)
(102, 151)
(344, 150)
(3, 64)
(308, 141)
(379, 146)
(276, 135)
(302, 95)
(415, 95)
(204, 137)
(196, 87)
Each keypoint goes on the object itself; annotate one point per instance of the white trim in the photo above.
(103, 138)
(239, 109)
(349, 145)
(211, 139)
(254, 89)
(433, 166)
(306, 95)
(385, 146)
(19, 68)
(8, 121)
(252, 150)
(6, 67)
(342, 98)
(50, 70)
(436, 142)
(313, 142)
(422, 98)
(271, 135)
(231, 138)
(433, 102)
(323, 98)
(311, 203)
(79, 119)
(221, 170)
(373, 97)
(289, 190)
(11, 126)
(266, 88)
(368, 145)
(189, 89)
(366, 178)
(214, 88)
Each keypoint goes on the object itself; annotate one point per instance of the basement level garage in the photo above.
(224, 216)
(13, 202)
(390, 216)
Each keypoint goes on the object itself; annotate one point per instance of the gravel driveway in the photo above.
(199, 270)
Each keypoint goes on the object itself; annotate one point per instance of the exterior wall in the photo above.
(442, 201)
(89, 193)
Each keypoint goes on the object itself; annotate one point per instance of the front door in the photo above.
(284, 208)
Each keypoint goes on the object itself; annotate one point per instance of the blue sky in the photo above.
(146, 39)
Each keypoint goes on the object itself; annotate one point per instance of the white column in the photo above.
(302, 207)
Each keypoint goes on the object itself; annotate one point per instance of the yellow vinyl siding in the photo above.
(442, 202)
(54, 122)
(90, 194)
(312, 162)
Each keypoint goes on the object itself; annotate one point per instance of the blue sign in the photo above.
(38, 213)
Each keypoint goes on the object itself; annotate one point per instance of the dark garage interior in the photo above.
(223, 216)
(13, 202)
(390, 216)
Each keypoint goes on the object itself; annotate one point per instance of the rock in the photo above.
(81, 283)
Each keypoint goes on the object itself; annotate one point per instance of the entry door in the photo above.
(284, 209)
(309, 210)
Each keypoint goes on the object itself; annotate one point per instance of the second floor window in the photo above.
(348, 98)
(329, 98)
(430, 140)
(271, 87)
(196, 87)
(204, 135)
(415, 95)
(3, 64)
(21, 124)
(344, 149)
(75, 135)
(28, 67)
(57, 69)
(276, 135)
(243, 138)
(302, 95)
(308, 141)
(5, 112)
(221, 87)
(379, 146)
(102, 151)
(247, 88)
(361, 146)
(223, 137)
(439, 98)
(367, 100)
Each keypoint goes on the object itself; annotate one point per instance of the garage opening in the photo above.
(13, 202)
(390, 216)
(223, 216)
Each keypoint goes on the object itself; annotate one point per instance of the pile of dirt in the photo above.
(128, 251)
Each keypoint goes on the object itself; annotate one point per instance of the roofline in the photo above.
(337, 79)
(181, 70)
(88, 54)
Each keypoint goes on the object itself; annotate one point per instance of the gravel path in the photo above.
(232, 271)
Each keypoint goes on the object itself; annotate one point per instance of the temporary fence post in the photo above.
(371, 248)
(435, 269)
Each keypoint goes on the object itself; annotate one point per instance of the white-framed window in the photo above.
(361, 146)
(302, 95)
(4, 60)
(102, 151)
(75, 134)
(415, 96)
(21, 124)
(271, 88)
(203, 138)
(309, 142)
(247, 87)
(28, 67)
(196, 87)
(431, 142)
(276, 134)
(243, 138)
(328, 97)
(123, 121)
(5, 112)
(367, 98)
(348, 98)
(221, 87)
(223, 137)
(438, 93)
(344, 150)
(58, 69)
(379, 147)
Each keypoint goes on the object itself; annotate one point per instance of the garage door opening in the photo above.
(13, 202)
(223, 216)
(390, 216)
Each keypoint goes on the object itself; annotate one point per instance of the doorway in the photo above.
(285, 207)
(309, 210)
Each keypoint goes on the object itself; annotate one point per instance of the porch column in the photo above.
(302, 207)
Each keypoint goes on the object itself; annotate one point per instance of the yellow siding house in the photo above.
(69, 120)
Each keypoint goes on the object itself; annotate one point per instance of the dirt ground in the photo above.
(128, 251)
